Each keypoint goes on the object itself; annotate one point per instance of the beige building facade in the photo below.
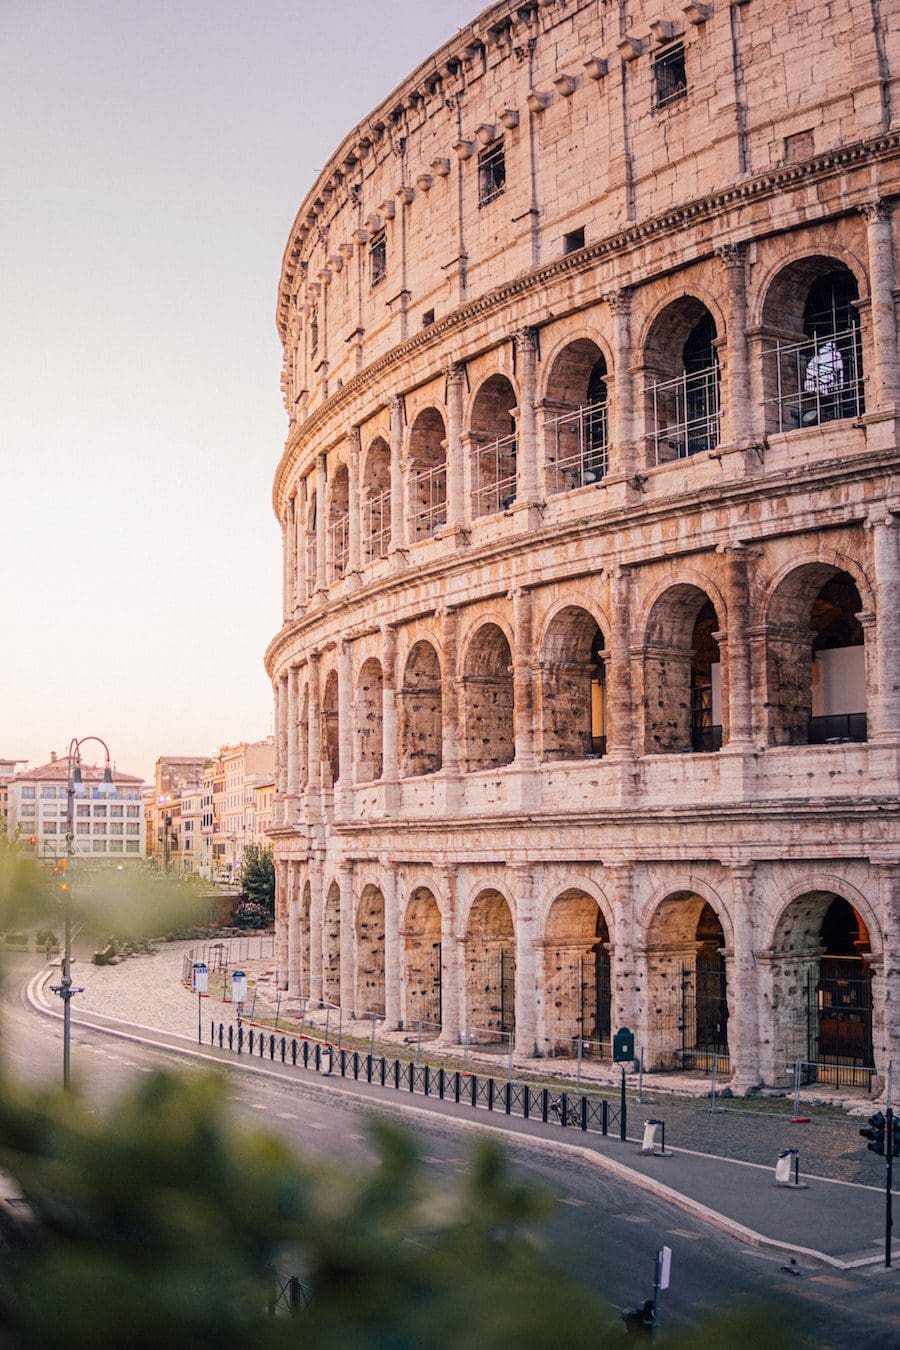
(588, 685)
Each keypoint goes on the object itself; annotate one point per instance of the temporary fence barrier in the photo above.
(511, 1097)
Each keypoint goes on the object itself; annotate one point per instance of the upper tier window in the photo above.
(378, 258)
(669, 75)
(491, 173)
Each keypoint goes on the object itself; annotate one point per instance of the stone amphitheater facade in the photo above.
(587, 690)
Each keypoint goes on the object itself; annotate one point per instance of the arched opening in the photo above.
(812, 353)
(682, 371)
(490, 970)
(687, 986)
(494, 447)
(331, 947)
(573, 687)
(822, 991)
(311, 552)
(370, 954)
(339, 524)
(576, 423)
(369, 722)
(682, 673)
(331, 741)
(376, 502)
(420, 715)
(815, 659)
(422, 963)
(488, 686)
(304, 929)
(578, 991)
(428, 473)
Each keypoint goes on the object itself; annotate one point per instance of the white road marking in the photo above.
(286, 1115)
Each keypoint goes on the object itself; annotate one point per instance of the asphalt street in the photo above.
(603, 1231)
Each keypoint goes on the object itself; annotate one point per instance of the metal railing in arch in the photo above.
(481, 1092)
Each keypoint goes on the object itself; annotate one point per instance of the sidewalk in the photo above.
(837, 1221)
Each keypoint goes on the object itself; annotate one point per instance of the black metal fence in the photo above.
(511, 1097)
(289, 1295)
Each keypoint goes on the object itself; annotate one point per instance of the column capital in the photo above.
(731, 255)
(397, 405)
(525, 337)
(879, 209)
(455, 372)
(619, 300)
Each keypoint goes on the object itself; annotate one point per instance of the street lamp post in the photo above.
(74, 788)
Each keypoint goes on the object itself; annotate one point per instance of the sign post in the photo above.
(662, 1271)
(623, 1053)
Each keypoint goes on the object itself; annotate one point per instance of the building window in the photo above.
(98, 846)
(491, 173)
(428, 318)
(99, 827)
(27, 793)
(116, 827)
(669, 75)
(134, 810)
(313, 333)
(28, 808)
(115, 812)
(132, 829)
(115, 845)
(573, 241)
(49, 827)
(83, 827)
(378, 258)
(48, 792)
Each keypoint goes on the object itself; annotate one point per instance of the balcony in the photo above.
(837, 728)
(685, 414)
(339, 545)
(577, 448)
(814, 381)
(494, 476)
(377, 525)
(430, 500)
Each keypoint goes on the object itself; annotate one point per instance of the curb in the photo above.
(723, 1222)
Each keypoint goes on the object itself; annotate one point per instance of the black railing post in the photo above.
(490, 1094)
(397, 1075)
(564, 1115)
(526, 1101)
(545, 1105)
(370, 1067)
(250, 1041)
(343, 1061)
(441, 1081)
(294, 1053)
(283, 1049)
(318, 1055)
(622, 1110)
(457, 1086)
(411, 1074)
(271, 1046)
(426, 1077)
(509, 1099)
(383, 1070)
(306, 1054)
(356, 1064)
(584, 1114)
(221, 1035)
(604, 1117)
(474, 1087)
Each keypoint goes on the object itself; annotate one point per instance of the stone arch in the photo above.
(576, 425)
(682, 378)
(815, 657)
(573, 685)
(687, 985)
(370, 942)
(369, 721)
(331, 738)
(331, 946)
(490, 968)
(376, 500)
(683, 696)
(339, 523)
(420, 711)
(421, 937)
(493, 442)
(824, 946)
(489, 703)
(812, 354)
(427, 457)
(577, 976)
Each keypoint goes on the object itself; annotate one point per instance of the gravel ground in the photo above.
(147, 990)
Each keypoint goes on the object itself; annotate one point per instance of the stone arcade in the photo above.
(587, 690)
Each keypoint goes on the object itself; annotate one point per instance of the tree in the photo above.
(258, 876)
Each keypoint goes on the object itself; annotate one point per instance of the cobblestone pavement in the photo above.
(147, 990)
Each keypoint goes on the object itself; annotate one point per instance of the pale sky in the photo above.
(154, 156)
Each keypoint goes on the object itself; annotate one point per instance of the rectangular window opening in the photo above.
(573, 241)
(428, 318)
(491, 173)
(378, 258)
(670, 75)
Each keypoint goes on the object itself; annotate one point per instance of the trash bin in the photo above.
(651, 1141)
(787, 1168)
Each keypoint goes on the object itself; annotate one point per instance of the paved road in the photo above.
(602, 1230)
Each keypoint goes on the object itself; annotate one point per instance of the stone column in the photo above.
(294, 959)
(450, 695)
(743, 985)
(281, 746)
(524, 885)
(301, 583)
(389, 757)
(886, 1018)
(886, 381)
(626, 993)
(316, 926)
(398, 513)
(737, 419)
(345, 781)
(321, 522)
(457, 514)
(348, 939)
(619, 695)
(523, 678)
(622, 451)
(526, 430)
(451, 993)
(355, 506)
(293, 756)
(287, 572)
(389, 871)
(314, 727)
(884, 706)
(737, 598)
(282, 922)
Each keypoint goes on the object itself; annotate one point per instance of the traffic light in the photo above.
(875, 1133)
(895, 1139)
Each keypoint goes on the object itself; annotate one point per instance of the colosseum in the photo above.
(587, 688)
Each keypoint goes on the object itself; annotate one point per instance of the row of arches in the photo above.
(684, 993)
(810, 371)
(812, 684)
